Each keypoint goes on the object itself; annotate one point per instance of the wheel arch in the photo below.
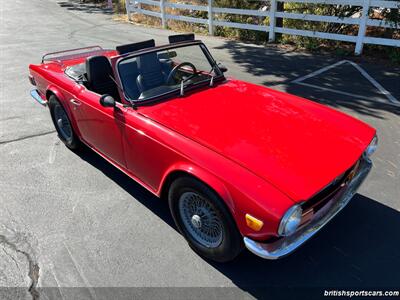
(210, 180)
(53, 90)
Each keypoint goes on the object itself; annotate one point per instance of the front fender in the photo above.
(245, 194)
(203, 175)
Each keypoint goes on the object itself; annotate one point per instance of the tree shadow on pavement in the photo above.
(268, 60)
(90, 8)
(285, 66)
(357, 249)
(370, 107)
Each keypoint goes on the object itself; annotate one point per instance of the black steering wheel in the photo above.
(172, 74)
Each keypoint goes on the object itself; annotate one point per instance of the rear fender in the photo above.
(52, 89)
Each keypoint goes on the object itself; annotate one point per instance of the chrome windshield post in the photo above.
(212, 81)
(182, 92)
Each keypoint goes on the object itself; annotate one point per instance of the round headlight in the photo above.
(372, 147)
(290, 221)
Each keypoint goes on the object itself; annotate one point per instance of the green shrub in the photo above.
(312, 44)
(394, 55)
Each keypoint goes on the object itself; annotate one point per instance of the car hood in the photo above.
(295, 144)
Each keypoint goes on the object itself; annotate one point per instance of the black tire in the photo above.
(67, 136)
(229, 245)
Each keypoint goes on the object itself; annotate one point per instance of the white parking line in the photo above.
(322, 70)
(334, 91)
(381, 89)
(376, 84)
(53, 151)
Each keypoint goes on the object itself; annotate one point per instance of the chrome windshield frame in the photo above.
(207, 54)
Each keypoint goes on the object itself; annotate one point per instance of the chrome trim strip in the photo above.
(35, 95)
(287, 245)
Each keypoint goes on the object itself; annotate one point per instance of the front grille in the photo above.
(319, 200)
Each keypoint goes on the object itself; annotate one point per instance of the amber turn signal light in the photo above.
(254, 223)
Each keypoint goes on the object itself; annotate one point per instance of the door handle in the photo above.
(75, 102)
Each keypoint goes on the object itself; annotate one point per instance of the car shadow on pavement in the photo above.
(358, 248)
(284, 66)
(139, 193)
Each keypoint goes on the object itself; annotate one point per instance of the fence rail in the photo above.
(363, 21)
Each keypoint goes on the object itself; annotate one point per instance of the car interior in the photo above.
(147, 72)
(143, 76)
(97, 74)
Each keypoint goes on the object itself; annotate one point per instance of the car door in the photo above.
(101, 127)
(147, 157)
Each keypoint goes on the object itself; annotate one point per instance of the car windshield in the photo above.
(167, 71)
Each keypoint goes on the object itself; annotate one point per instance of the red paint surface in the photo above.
(261, 150)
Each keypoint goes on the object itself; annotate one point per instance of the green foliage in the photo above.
(394, 55)
(340, 51)
(119, 6)
(311, 44)
(392, 15)
(249, 35)
(341, 11)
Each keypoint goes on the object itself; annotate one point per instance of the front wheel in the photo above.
(63, 124)
(204, 220)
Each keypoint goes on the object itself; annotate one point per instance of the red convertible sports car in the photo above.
(240, 164)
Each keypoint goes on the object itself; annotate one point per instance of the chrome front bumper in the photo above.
(35, 95)
(286, 245)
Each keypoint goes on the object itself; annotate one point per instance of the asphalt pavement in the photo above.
(72, 220)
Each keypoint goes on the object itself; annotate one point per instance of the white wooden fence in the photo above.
(134, 6)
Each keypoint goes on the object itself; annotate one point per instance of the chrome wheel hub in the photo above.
(200, 219)
(196, 221)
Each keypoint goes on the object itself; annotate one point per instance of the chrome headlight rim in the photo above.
(292, 217)
(373, 145)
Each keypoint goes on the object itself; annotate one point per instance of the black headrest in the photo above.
(98, 69)
(99, 74)
(123, 49)
(181, 38)
(148, 62)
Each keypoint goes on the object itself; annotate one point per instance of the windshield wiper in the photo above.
(211, 82)
(183, 86)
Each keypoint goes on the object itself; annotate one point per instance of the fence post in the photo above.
(163, 19)
(272, 21)
(128, 9)
(362, 28)
(210, 17)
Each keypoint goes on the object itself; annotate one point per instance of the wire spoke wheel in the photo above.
(200, 219)
(62, 122)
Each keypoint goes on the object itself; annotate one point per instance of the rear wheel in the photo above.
(203, 219)
(63, 124)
